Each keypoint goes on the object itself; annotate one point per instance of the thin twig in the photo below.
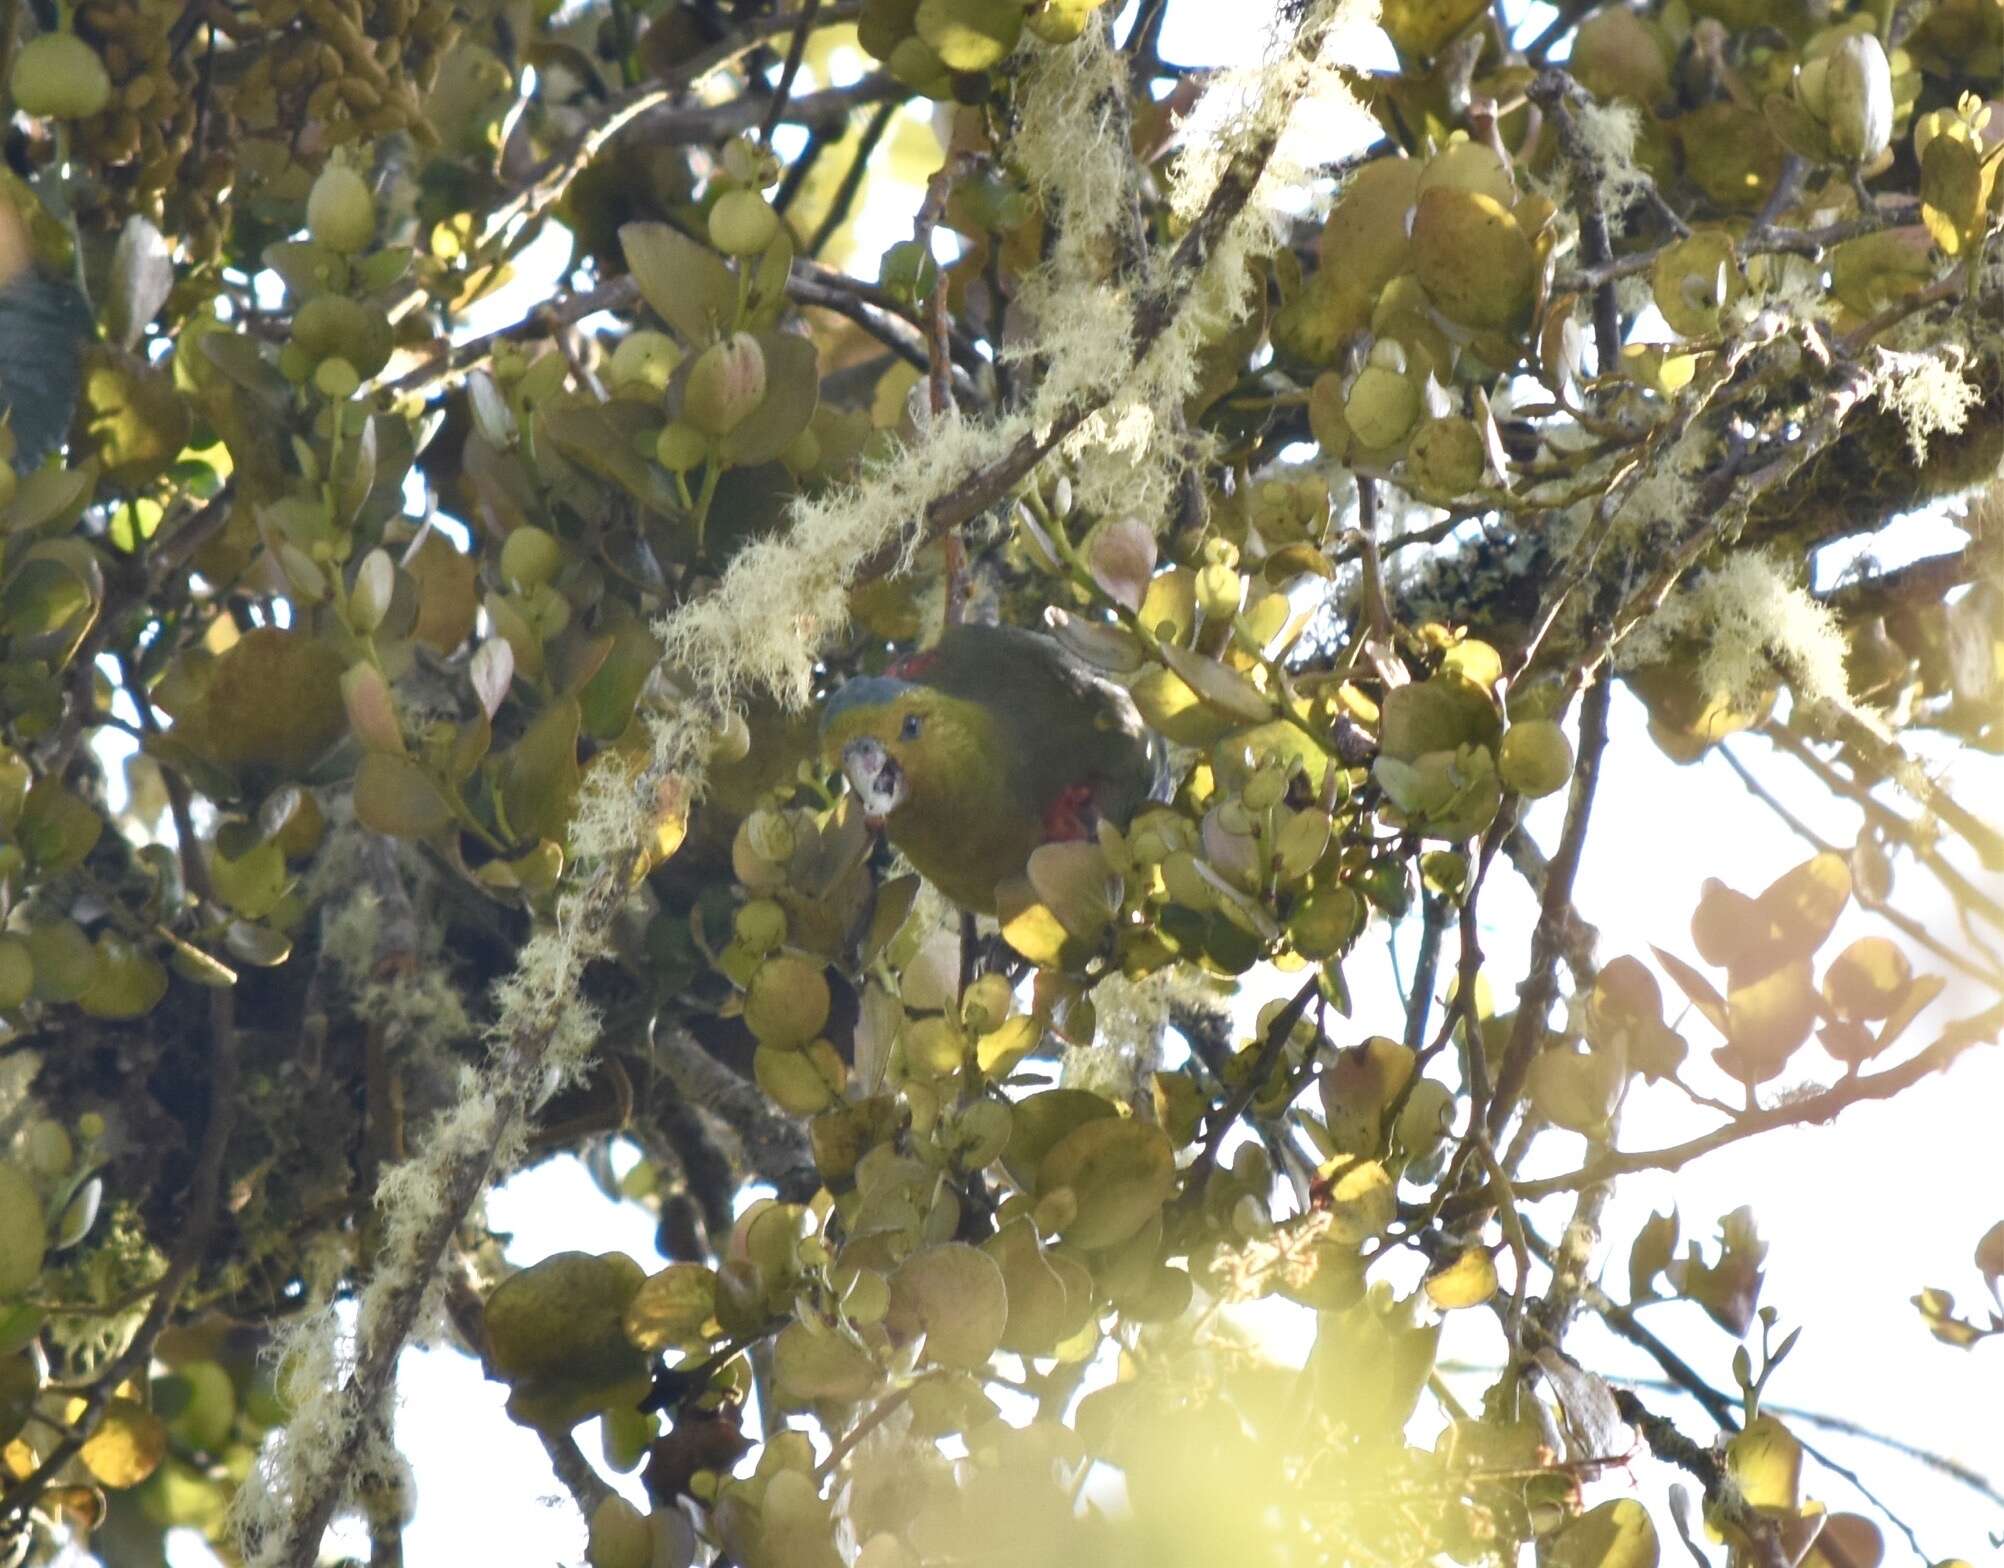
(852, 178)
(1911, 928)
(1534, 998)
(1822, 1106)
(1276, 1037)
(1433, 918)
(796, 51)
(846, 1445)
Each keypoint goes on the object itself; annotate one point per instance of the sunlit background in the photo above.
(1858, 1216)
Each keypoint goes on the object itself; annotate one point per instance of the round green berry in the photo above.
(59, 77)
(340, 212)
(530, 557)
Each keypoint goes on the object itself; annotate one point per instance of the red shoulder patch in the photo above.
(913, 666)
(1071, 816)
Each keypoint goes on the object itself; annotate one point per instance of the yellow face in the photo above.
(886, 735)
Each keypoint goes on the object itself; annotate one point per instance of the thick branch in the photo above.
(775, 1147)
(569, 1465)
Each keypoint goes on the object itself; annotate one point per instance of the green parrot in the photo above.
(975, 751)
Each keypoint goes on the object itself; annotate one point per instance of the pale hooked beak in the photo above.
(875, 776)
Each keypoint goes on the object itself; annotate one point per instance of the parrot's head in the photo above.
(898, 741)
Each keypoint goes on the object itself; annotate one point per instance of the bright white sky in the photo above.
(1858, 1216)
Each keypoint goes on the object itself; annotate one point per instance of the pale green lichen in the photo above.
(1129, 454)
(1132, 1018)
(785, 597)
(312, 1359)
(1926, 391)
(417, 999)
(1751, 617)
(1608, 133)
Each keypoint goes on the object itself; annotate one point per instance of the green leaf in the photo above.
(51, 599)
(253, 883)
(688, 285)
(801, 1080)
(969, 35)
(672, 1307)
(49, 496)
(1802, 907)
(1951, 193)
(20, 1382)
(1121, 557)
(1042, 1121)
(1440, 714)
(64, 960)
(599, 439)
(1576, 1090)
(1467, 1279)
(821, 1364)
(1076, 884)
(44, 324)
(556, 1333)
(1655, 1244)
(134, 416)
(1219, 686)
(204, 1409)
(953, 1294)
(1765, 1460)
(394, 795)
(57, 828)
(371, 709)
(1363, 1201)
(354, 471)
(307, 270)
(1119, 1174)
(257, 945)
(1868, 980)
(1044, 1308)
(127, 1445)
(129, 982)
(24, 1232)
(1357, 1088)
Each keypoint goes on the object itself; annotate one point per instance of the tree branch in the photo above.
(1548, 938)
(1821, 1106)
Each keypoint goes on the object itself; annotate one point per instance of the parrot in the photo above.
(973, 752)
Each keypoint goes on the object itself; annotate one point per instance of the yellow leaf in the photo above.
(1617, 1534)
(1467, 1281)
(1363, 1203)
(127, 1446)
(672, 1307)
(1765, 1461)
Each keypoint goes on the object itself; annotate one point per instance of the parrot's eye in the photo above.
(909, 730)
